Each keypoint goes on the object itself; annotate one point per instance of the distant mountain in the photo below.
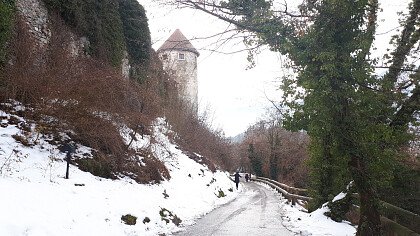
(238, 138)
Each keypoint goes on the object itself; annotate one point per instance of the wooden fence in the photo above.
(395, 220)
(292, 194)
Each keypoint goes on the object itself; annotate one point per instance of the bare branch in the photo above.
(409, 37)
(396, 69)
(273, 103)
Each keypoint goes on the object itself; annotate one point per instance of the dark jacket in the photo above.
(237, 176)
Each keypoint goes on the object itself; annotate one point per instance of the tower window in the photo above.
(181, 56)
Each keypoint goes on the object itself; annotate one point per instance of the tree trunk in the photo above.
(370, 221)
(326, 179)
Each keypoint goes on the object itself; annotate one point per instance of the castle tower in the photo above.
(179, 58)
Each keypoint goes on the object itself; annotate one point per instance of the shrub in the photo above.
(99, 166)
(194, 134)
(86, 99)
(152, 170)
(168, 216)
(22, 139)
(165, 195)
(129, 219)
(221, 194)
(341, 209)
(146, 220)
(13, 120)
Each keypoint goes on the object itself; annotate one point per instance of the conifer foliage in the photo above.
(136, 30)
(6, 22)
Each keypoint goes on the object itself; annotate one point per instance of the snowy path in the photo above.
(256, 211)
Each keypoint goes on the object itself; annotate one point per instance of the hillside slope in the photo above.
(37, 200)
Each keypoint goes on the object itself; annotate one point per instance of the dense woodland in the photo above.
(82, 96)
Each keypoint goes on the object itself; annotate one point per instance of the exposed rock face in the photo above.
(78, 45)
(125, 66)
(35, 15)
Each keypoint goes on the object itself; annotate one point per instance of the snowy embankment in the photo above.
(315, 223)
(35, 199)
(297, 220)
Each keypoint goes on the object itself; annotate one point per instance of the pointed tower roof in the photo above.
(177, 41)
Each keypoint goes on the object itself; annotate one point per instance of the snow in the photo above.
(315, 223)
(296, 219)
(339, 196)
(35, 199)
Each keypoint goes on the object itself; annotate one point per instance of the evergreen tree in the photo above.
(255, 159)
(136, 31)
(7, 10)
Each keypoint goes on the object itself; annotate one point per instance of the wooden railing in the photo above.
(395, 220)
(292, 194)
(399, 221)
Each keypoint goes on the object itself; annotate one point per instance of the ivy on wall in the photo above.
(7, 10)
(111, 26)
(136, 31)
(99, 20)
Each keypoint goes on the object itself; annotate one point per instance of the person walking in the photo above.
(246, 177)
(237, 176)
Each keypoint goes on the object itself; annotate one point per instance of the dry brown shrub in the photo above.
(83, 97)
(89, 100)
(195, 135)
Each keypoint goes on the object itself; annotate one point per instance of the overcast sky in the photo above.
(236, 96)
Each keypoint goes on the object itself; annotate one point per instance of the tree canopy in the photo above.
(357, 119)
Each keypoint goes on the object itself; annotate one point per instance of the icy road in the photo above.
(256, 211)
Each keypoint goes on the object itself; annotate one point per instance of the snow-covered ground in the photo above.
(35, 199)
(297, 220)
(314, 223)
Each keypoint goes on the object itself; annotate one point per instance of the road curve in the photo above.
(256, 211)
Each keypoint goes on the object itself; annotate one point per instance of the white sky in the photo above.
(234, 95)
